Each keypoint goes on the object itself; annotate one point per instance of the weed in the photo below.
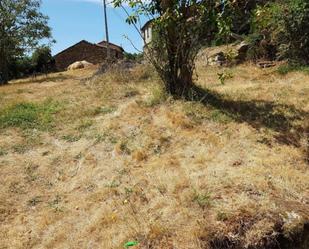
(203, 200)
(122, 148)
(219, 116)
(112, 139)
(104, 110)
(29, 115)
(128, 191)
(197, 112)
(143, 73)
(162, 189)
(224, 76)
(20, 148)
(34, 201)
(17, 188)
(221, 216)
(84, 125)
(30, 172)
(113, 184)
(131, 93)
(20, 91)
(99, 138)
(123, 172)
(78, 156)
(71, 138)
(54, 204)
(158, 96)
(3, 152)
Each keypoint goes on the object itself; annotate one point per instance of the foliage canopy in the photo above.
(22, 26)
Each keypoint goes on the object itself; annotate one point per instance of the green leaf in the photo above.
(130, 243)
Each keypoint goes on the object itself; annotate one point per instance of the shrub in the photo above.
(133, 56)
(42, 60)
(287, 68)
(157, 96)
(283, 25)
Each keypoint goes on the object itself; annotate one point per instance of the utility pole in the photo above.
(106, 30)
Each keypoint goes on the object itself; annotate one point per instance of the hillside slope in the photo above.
(95, 162)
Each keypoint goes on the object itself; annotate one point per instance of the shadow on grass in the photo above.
(291, 124)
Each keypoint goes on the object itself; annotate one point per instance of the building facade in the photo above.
(83, 50)
(147, 32)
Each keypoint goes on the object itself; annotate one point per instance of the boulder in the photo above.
(225, 54)
(265, 64)
(79, 65)
(241, 51)
(217, 59)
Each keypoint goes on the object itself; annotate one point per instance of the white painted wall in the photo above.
(148, 34)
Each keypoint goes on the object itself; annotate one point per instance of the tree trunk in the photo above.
(4, 74)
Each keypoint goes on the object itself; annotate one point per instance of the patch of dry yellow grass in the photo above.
(169, 175)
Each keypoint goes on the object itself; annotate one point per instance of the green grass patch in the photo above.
(84, 125)
(71, 138)
(198, 112)
(27, 115)
(157, 96)
(203, 200)
(3, 152)
(104, 110)
(287, 68)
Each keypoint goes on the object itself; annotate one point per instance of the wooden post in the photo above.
(106, 30)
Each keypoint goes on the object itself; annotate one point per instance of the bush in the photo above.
(287, 68)
(42, 60)
(133, 56)
(20, 67)
(294, 38)
(282, 25)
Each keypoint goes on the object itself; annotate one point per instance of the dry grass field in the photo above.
(95, 162)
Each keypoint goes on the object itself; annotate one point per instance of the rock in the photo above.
(217, 59)
(266, 64)
(242, 50)
(79, 65)
(121, 65)
(225, 54)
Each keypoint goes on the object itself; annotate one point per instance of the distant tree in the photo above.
(133, 56)
(42, 59)
(20, 67)
(22, 26)
(181, 28)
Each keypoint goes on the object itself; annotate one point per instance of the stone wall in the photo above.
(83, 51)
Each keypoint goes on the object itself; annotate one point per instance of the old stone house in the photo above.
(147, 32)
(83, 50)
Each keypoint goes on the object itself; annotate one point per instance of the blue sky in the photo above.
(75, 20)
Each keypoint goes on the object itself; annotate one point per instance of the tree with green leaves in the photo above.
(181, 28)
(42, 59)
(22, 26)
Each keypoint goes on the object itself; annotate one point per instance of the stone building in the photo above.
(146, 31)
(83, 50)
